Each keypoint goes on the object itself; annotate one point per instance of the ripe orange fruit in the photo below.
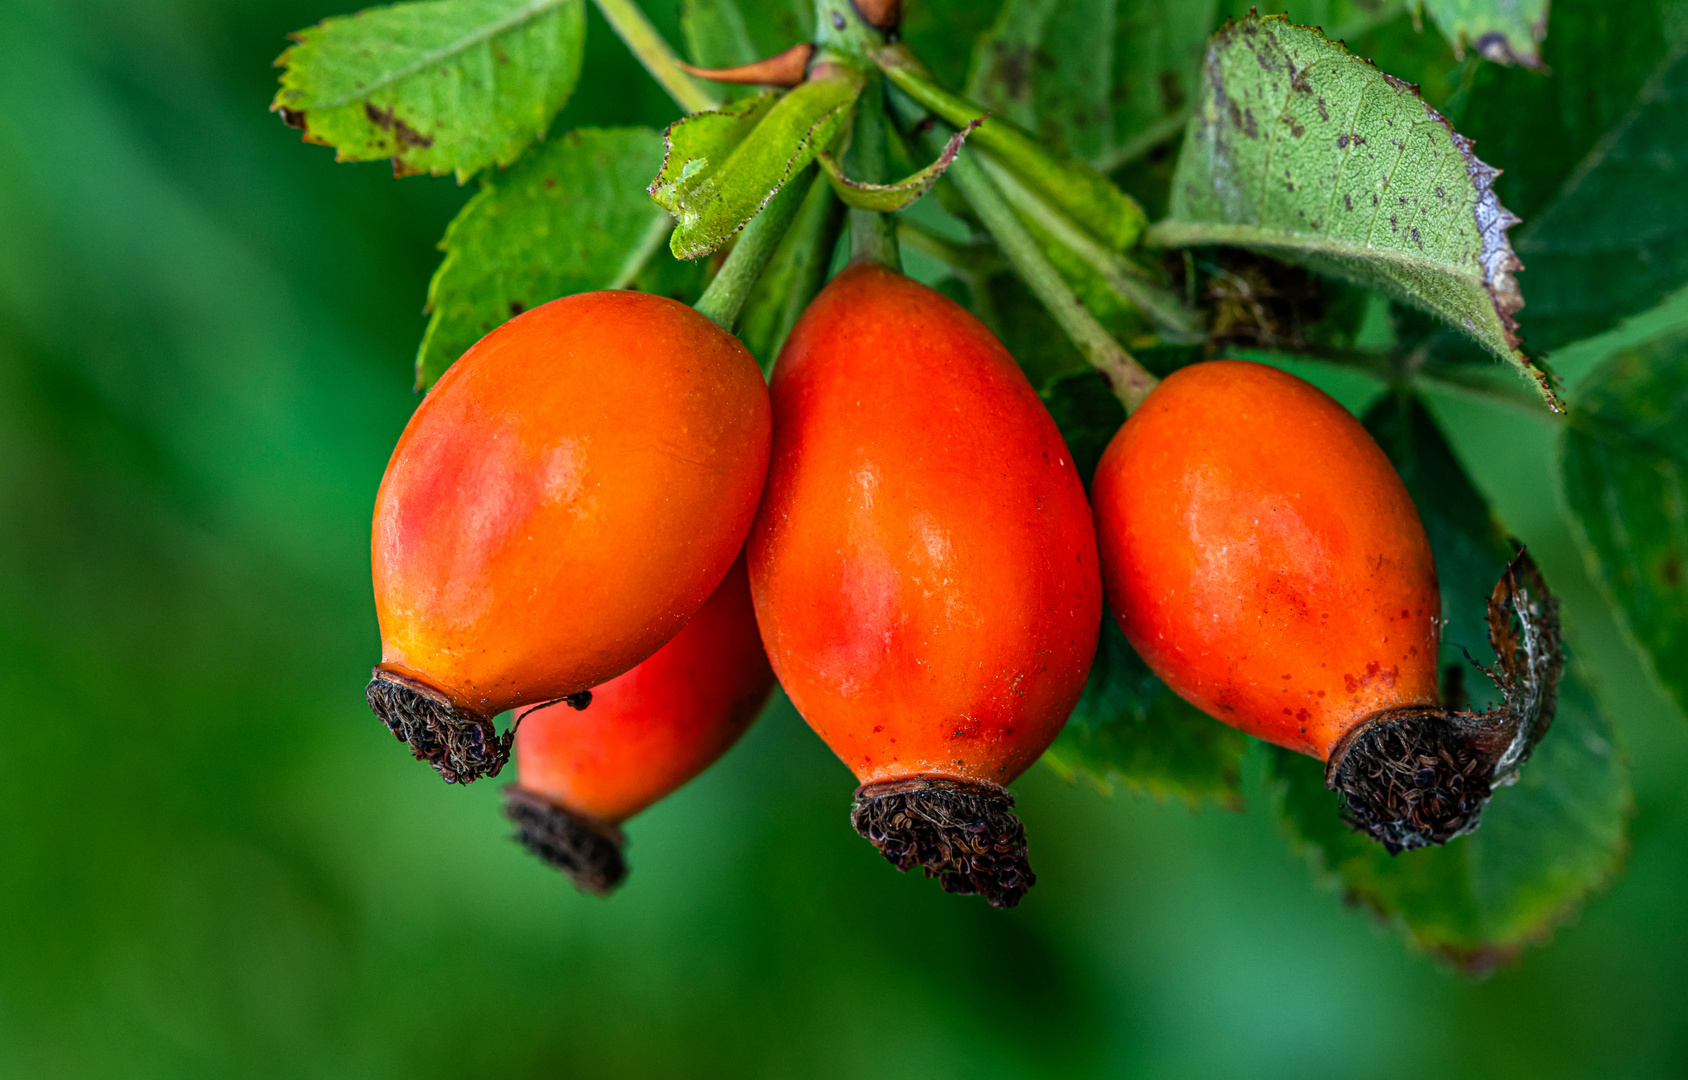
(925, 573)
(565, 498)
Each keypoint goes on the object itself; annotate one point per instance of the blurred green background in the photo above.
(214, 862)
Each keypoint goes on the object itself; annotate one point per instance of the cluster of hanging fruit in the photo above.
(604, 519)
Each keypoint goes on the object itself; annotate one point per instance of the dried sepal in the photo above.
(1418, 776)
(587, 850)
(964, 834)
(460, 744)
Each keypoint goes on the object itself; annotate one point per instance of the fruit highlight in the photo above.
(925, 572)
(1262, 555)
(567, 496)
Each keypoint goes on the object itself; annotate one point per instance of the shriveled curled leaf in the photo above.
(1131, 730)
(900, 194)
(441, 86)
(722, 167)
(1505, 31)
(1302, 151)
(1624, 463)
(569, 217)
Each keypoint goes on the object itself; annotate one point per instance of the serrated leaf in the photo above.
(1547, 842)
(1130, 729)
(900, 194)
(721, 168)
(1624, 464)
(1102, 79)
(1505, 31)
(444, 86)
(1302, 151)
(569, 217)
(1615, 239)
(728, 33)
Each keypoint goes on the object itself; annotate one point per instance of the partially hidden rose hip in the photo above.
(580, 774)
(568, 494)
(924, 568)
(1262, 555)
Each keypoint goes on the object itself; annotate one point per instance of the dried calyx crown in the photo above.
(461, 744)
(1416, 776)
(964, 834)
(587, 850)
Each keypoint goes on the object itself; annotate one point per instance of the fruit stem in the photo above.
(1124, 278)
(725, 296)
(873, 236)
(649, 48)
(1129, 380)
(793, 276)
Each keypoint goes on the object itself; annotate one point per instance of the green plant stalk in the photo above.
(724, 298)
(873, 236)
(1175, 322)
(964, 259)
(1082, 193)
(1129, 380)
(648, 46)
(794, 275)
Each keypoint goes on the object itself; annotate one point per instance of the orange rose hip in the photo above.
(924, 568)
(568, 494)
(643, 735)
(1264, 558)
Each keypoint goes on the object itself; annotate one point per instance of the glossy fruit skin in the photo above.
(1262, 555)
(924, 563)
(655, 727)
(569, 493)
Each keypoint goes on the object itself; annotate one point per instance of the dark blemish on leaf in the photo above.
(1013, 68)
(1348, 201)
(516, 308)
(1295, 129)
(405, 135)
(1342, 142)
(1249, 126)
(837, 21)
(1416, 240)
(1392, 223)
(1324, 113)
(550, 183)
(293, 118)
(1374, 198)
(1671, 571)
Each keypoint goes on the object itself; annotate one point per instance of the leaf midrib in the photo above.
(476, 37)
(1172, 233)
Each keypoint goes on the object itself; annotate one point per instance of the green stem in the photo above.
(873, 236)
(653, 52)
(1129, 282)
(965, 260)
(793, 276)
(725, 297)
(1130, 382)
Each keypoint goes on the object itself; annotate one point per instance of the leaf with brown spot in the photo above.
(442, 86)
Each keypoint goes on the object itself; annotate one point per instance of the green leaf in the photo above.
(1103, 79)
(728, 33)
(1505, 31)
(568, 218)
(722, 167)
(1130, 729)
(942, 33)
(900, 194)
(441, 86)
(1546, 844)
(1304, 152)
(1615, 239)
(1624, 464)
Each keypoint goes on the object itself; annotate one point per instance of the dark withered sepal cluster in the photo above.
(963, 834)
(1418, 776)
(461, 746)
(589, 852)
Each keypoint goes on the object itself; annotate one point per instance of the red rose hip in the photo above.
(580, 774)
(1264, 558)
(924, 568)
(565, 498)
